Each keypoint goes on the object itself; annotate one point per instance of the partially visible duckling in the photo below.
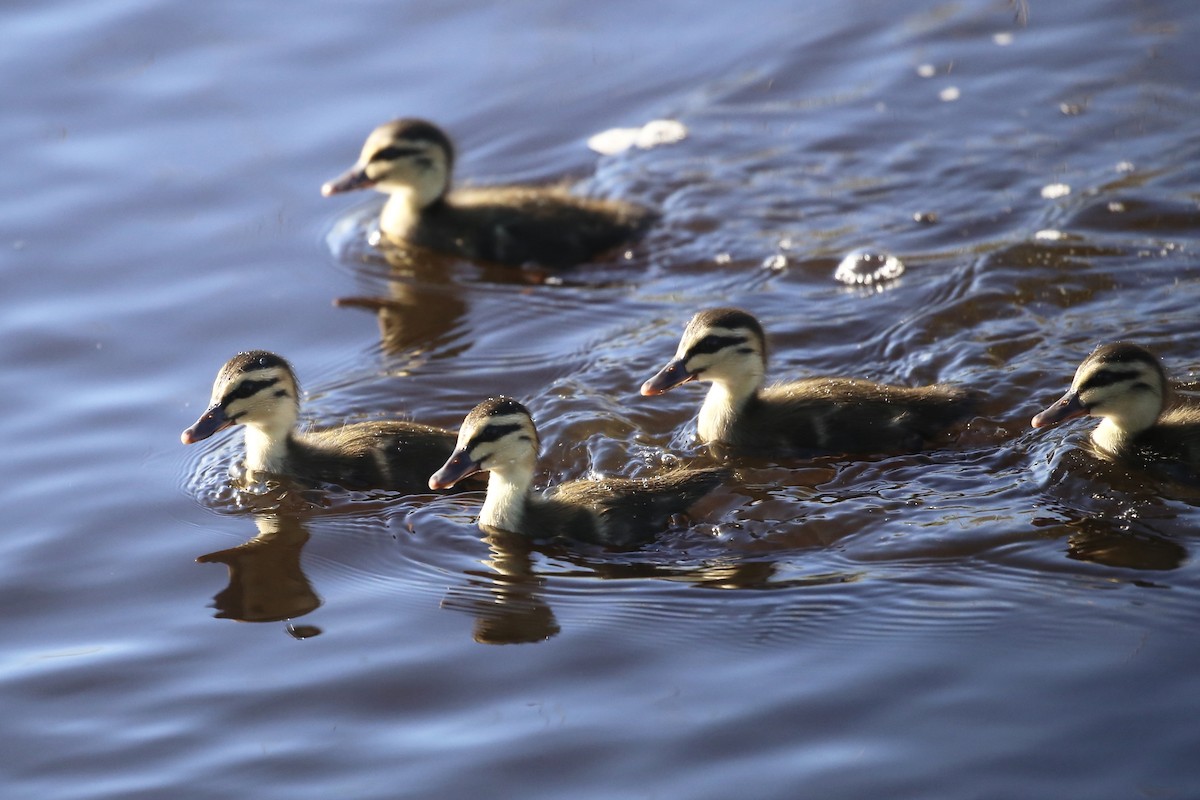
(412, 160)
(499, 437)
(1126, 386)
(259, 390)
(727, 348)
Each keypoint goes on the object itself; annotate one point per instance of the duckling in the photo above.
(1126, 386)
(727, 348)
(499, 437)
(259, 390)
(412, 160)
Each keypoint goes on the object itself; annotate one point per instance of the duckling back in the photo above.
(386, 454)
(517, 225)
(620, 512)
(848, 415)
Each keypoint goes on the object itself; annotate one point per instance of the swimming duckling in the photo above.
(259, 390)
(727, 348)
(411, 161)
(499, 437)
(1126, 386)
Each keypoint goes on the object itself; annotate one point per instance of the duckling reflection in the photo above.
(1097, 541)
(266, 581)
(412, 162)
(1109, 513)
(422, 304)
(506, 602)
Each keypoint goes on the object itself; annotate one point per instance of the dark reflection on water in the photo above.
(505, 599)
(266, 581)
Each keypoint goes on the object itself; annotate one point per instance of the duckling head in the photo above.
(498, 436)
(406, 157)
(256, 389)
(723, 346)
(1122, 383)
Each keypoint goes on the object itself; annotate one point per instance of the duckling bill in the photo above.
(499, 437)
(727, 348)
(258, 390)
(1126, 386)
(412, 161)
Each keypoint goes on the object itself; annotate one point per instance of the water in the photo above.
(1005, 616)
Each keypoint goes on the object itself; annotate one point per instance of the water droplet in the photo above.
(868, 268)
(1050, 235)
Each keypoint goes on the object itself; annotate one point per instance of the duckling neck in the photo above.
(401, 213)
(1111, 436)
(723, 405)
(266, 448)
(1116, 432)
(507, 496)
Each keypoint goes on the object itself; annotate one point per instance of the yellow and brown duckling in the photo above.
(259, 391)
(499, 437)
(726, 347)
(412, 162)
(1126, 387)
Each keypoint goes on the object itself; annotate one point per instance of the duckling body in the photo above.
(412, 160)
(726, 347)
(1126, 386)
(499, 437)
(258, 389)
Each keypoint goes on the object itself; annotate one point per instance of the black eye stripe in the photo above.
(493, 432)
(395, 151)
(247, 389)
(713, 343)
(1107, 377)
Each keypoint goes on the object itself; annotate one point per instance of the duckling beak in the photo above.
(454, 470)
(1068, 407)
(668, 377)
(212, 421)
(354, 178)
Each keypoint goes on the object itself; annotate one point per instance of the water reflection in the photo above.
(506, 601)
(422, 304)
(1098, 542)
(511, 600)
(421, 297)
(1111, 512)
(266, 581)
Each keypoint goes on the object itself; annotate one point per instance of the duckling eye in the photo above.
(394, 152)
(249, 389)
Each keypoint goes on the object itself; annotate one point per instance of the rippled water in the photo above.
(1004, 616)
